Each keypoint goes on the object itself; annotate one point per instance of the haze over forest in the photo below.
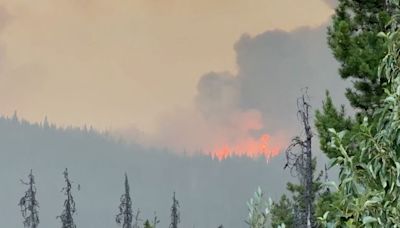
(163, 101)
(208, 190)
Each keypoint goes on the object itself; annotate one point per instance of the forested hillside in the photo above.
(210, 192)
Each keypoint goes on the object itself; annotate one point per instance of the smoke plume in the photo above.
(253, 112)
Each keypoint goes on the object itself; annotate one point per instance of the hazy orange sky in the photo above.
(126, 62)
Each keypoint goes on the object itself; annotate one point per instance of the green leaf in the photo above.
(325, 217)
(372, 201)
(382, 35)
(369, 219)
(397, 173)
(330, 184)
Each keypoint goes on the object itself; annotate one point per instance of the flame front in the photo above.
(250, 147)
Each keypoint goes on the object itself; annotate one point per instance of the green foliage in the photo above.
(326, 202)
(369, 186)
(330, 117)
(259, 210)
(288, 210)
(282, 212)
(354, 41)
(147, 224)
(355, 44)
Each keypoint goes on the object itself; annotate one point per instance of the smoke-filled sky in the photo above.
(195, 75)
(191, 76)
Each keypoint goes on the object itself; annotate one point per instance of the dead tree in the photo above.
(67, 215)
(175, 215)
(125, 215)
(299, 159)
(29, 204)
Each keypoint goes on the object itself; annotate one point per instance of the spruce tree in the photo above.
(175, 215)
(369, 188)
(282, 212)
(331, 117)
(292, 211)
(66, 217)
(354, 41)
(29, 204)
(147, 224)
(125, 215)
(353, 38)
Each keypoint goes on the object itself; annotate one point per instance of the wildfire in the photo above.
(250, 147)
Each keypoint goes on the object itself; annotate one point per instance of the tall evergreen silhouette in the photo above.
(125, 215)
(29, 204)
(175, 215)
(66, 216)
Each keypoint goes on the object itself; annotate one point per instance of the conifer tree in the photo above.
(291, 211)
(353, 38)
(125, 215)
(354, 41)
(29, 204)
(369, 176)
(66, 217)
(282, 212)
(331, 117)
(369, 188)
(175, 215)
(147, 224)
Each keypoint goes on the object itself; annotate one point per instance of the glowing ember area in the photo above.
(250, 147)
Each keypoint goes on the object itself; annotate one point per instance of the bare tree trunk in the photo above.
(301, 160)
(29, 205)
(66, 216)
(309, 200)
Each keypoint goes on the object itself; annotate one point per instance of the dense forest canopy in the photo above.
(97, 163)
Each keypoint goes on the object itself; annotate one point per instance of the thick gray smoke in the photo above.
(273, 69)
(260, 98)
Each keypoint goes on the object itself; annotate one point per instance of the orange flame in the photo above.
(250, 147)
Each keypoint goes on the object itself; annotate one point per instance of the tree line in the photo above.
(365, 147)
(126, 218)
